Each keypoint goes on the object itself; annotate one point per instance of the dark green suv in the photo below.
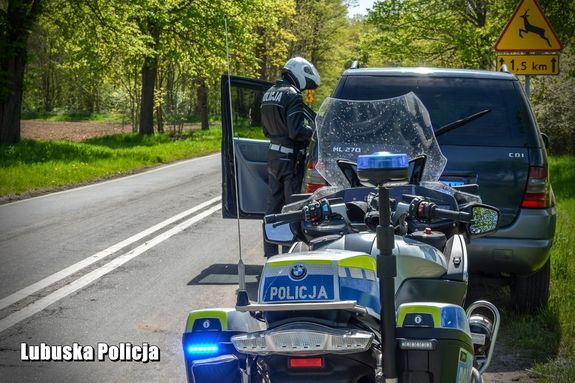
(502, 151)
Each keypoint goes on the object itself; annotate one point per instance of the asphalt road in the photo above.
(119, 262)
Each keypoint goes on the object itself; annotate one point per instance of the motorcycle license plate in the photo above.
(313, 288)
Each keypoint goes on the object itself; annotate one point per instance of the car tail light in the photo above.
(306, 362)
(312, 180)
(537, 192)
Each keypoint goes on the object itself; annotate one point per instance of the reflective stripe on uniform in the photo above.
(282, 149)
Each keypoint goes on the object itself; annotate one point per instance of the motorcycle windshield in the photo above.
(347, 128)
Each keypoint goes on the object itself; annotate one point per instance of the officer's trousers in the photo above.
(285, 176)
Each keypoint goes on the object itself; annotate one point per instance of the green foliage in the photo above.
(561, 16)
(560, 368)
(552, 100)
(538, 335)
(35, 166)
(454, 33)
(562, 171)
(88, 55)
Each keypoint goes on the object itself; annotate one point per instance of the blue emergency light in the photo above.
(383, 167)
(382, 160)
(454, 317)
(202, 349)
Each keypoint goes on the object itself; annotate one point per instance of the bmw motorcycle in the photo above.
(373, 286)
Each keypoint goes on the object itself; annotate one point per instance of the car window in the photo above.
(246, 111)
(449, 99)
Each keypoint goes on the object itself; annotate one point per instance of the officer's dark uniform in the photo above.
(283, 115)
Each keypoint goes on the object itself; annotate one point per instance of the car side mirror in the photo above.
(279, 234)
(485, 220)
(546, 140)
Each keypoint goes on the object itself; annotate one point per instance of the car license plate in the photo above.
(453, 183)
(312, 288)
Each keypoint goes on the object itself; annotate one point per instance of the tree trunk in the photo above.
(203, 104)
(16, 24)
(47, 88)
(149, 73)
(160, 119)
(11, 106)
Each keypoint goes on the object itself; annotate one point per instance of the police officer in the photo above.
(283, 116)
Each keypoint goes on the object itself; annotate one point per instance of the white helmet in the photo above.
(302, 72)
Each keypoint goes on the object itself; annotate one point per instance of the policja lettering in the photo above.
(127, 352)
(286, 293)
(272, 96)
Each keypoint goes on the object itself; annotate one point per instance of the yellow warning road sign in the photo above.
(530, 64)
(528, 30)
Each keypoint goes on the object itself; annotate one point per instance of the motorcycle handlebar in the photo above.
(459, 216)
(289, 217)
(427, 210)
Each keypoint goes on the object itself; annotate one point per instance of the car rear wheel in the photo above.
(530, 293)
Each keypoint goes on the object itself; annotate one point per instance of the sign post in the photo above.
(528, 31)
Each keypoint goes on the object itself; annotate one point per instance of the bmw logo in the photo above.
(298, 271)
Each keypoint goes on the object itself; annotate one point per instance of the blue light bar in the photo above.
(382, 160)
(203, 349)
(454, 317)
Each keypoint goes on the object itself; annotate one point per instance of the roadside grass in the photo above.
(549, 335)
(56, 116)
(32, 167)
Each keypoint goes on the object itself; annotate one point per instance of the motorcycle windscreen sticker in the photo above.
(312, 288)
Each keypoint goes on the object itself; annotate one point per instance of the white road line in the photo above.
(33, 288)
(85, 280)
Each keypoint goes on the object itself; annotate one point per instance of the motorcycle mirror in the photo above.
(279, 234)
(485, 220)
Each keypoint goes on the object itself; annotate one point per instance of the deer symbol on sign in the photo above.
(532, 28)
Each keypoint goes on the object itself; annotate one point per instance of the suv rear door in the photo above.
(492, 150)
(246, 138)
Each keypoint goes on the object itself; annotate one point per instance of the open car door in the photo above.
(251, 147)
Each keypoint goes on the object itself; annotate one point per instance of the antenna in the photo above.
(242, 295)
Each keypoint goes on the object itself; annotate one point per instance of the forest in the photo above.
(157, 63)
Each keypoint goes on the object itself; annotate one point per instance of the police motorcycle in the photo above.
(373, 286)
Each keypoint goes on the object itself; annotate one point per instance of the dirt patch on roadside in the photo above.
(73, 131)
(79, 130)
(509, 365)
